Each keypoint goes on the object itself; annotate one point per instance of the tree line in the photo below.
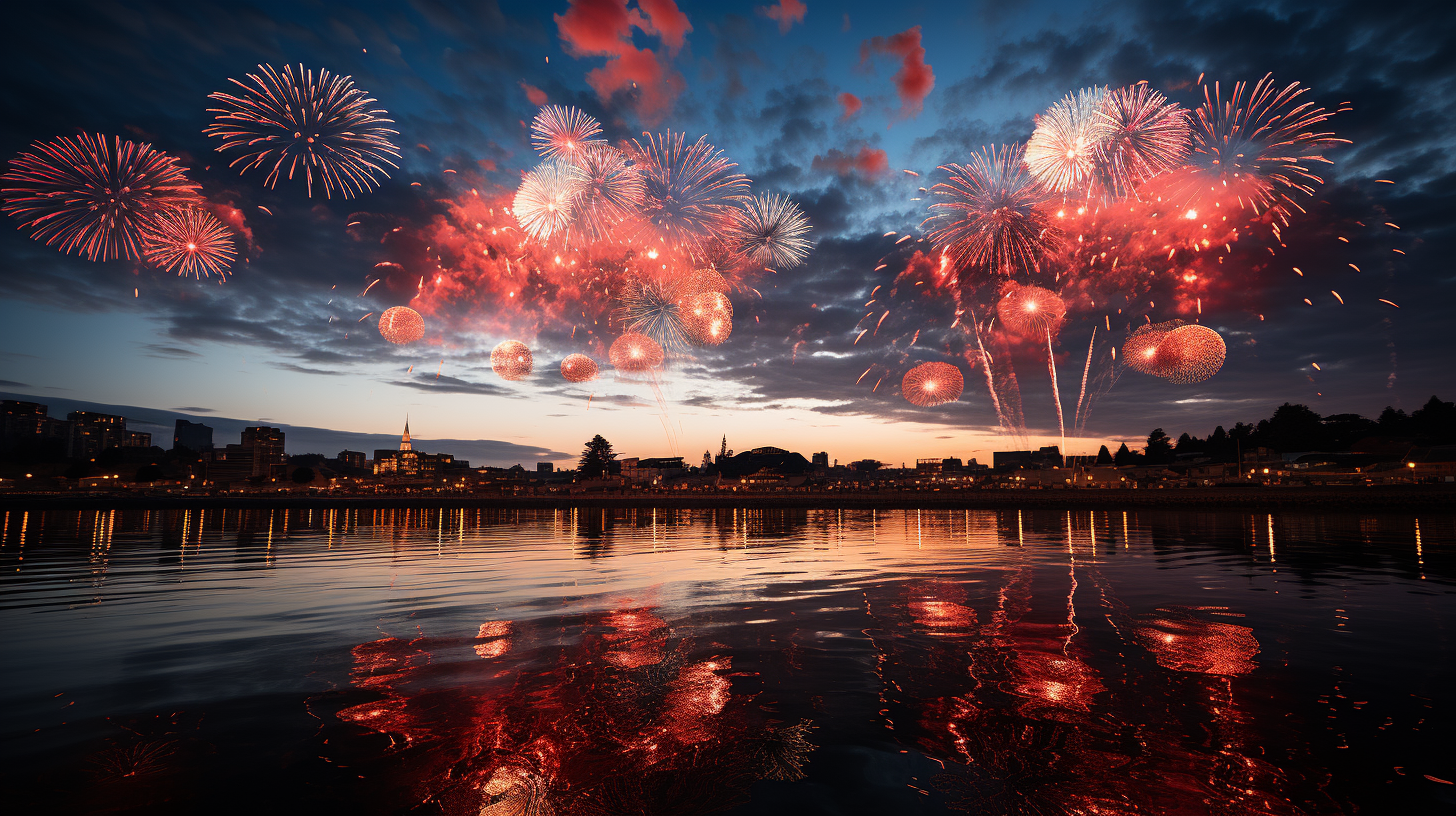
(1294, 428)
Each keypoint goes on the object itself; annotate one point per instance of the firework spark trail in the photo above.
(1082, 394)
(1056, 393)
(101, 198)
(311, 123)
(988, 364)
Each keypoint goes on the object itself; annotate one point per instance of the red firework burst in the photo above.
(192, 243)
(635, 353)
(707, 317)
(930, 384)
(314, 123)
(98, 197)
(1256, 147)
(1146, 135)
(1191, 354)
(1031, 310)
(401, 325)
(511, 360)
(578, 368)
(1175, 351)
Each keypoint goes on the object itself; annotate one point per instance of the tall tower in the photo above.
(404, 441)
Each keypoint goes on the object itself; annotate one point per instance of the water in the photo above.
(753, 662)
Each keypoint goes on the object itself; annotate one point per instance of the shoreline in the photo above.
(1395, 497)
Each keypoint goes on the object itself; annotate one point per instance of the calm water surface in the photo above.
(753, 662)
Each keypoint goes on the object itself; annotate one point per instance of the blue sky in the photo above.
(455, 78)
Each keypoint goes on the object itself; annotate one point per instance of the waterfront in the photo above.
(639, 660)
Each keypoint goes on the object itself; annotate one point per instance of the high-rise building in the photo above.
(266, 445)
(193, 436)
(351, 459)
(820, 460)
(545, 467)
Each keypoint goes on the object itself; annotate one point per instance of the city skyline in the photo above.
(281, 341)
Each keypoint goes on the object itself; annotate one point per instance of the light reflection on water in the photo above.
(659, 661)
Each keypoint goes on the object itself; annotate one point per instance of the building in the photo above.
(409, 463)
(820, 460)
(266, 445)
(352, 459)
(91, 433)
(260, 453)
(662, 467)
(1047, 457)
(545, 468)
(193, 436)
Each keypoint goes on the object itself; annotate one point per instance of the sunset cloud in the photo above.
(915, 78)
(786, 12)
(603, 28)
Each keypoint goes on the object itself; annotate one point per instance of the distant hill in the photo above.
(299, 438)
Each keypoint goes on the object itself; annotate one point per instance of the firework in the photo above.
(769, 231)
(653, 306)
(100, 198)
(932, 384)
(1176, 351)
(1256, 146)
(546, 200)
(401, 325)
(986, 214)
(635, 353)
(1191, 354)
(690, 192)
(1031, 310)
(511, 360)
(313, 123)
(1146, 135)
(611, 190)
(1064, 146)
(560, 132)
(707, 280)
(1140, 350)
(707, 317)
(190, 242)
(578, 368)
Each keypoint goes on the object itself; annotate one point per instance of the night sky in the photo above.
(828, 103)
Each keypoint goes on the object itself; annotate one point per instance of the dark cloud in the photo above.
(424, 381)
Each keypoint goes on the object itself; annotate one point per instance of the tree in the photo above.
(303, 475)
(1104, 456)
(596, 460)
(1158, 450)
(1124, 456)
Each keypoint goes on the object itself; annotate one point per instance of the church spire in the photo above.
(404, 441)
